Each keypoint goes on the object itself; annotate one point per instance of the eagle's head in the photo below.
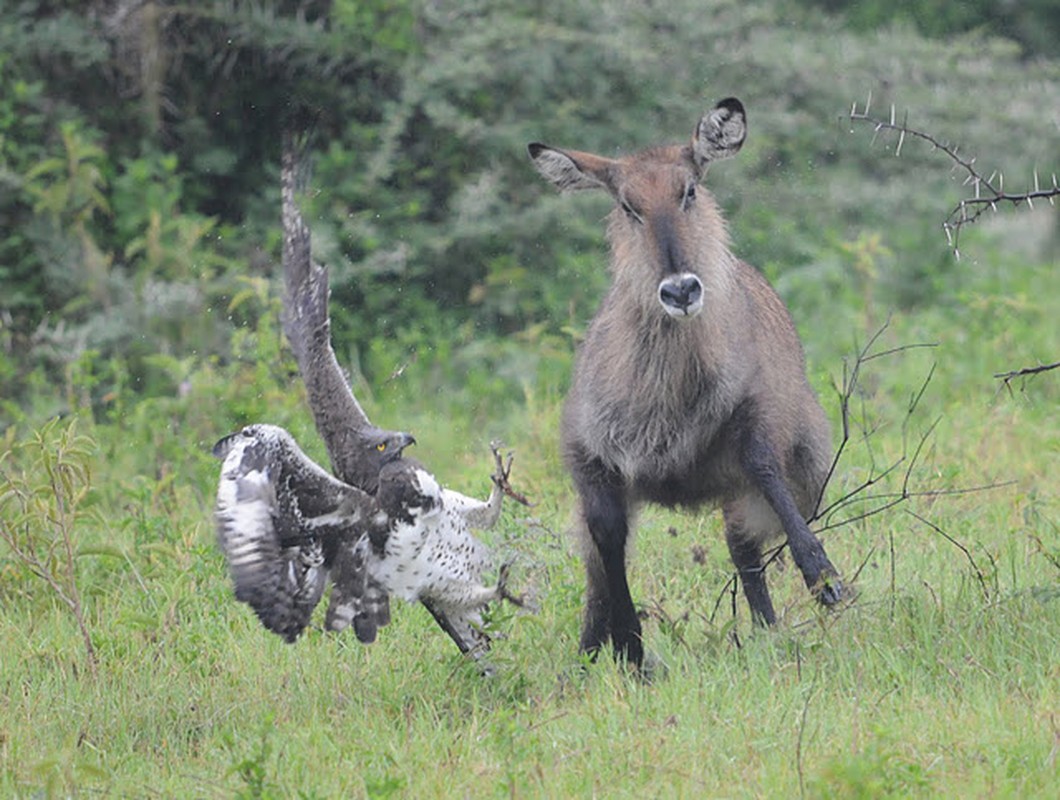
(378, 448)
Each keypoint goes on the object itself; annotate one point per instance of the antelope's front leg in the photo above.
(763, 469)
(609, 611)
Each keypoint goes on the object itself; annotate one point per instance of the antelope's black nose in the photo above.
(681, 293)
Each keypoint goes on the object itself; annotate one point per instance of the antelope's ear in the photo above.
(570, 170)
(720, 133)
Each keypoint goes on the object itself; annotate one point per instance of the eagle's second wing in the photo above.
(279, 519)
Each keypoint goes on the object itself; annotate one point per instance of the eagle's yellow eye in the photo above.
(381, 447)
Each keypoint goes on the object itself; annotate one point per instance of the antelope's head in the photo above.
(666, 231)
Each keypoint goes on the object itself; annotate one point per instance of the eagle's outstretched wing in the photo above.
(281, 521)
(357, 448)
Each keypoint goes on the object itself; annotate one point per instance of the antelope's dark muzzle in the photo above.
(681, 295)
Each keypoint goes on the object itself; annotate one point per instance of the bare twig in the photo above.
(851, 384)
(728, 588)
(1008, 377)
(802, 730)
(967, 554)
(891, 499)
(894, 594)
(872, 503)
(1040, 546)
(987, 192)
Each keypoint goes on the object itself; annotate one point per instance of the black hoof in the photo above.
(829, 590)
(630, 651)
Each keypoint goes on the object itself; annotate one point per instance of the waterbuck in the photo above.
(690, 385)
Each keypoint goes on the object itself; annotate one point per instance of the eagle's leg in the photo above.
(502, 473)
(502, 587)
(471, 640)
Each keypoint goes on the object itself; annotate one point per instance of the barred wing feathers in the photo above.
(357, 598)
(281, 522)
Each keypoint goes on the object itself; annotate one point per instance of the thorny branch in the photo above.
(988, 192)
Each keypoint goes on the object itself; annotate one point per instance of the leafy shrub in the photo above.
(45, 485)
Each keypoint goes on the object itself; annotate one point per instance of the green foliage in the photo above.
(1035, 24)
(925, 684)
(878, 771)
(22, 124)
(45, 485)
(253, 769)
(131, 221)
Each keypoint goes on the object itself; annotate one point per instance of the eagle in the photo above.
(285, 525)
(424, 551)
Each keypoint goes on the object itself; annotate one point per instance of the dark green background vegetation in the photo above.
(139, 151)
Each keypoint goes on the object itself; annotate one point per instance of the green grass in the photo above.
(940, 679)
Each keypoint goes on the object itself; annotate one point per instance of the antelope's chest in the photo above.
(652, 431)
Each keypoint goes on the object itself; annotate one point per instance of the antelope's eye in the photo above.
(629, 211)
(689, 196)
(381, 447)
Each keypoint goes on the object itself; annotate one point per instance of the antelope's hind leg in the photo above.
(746, 553)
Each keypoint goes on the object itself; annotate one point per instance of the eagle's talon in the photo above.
(518, 600)
(500, 478)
